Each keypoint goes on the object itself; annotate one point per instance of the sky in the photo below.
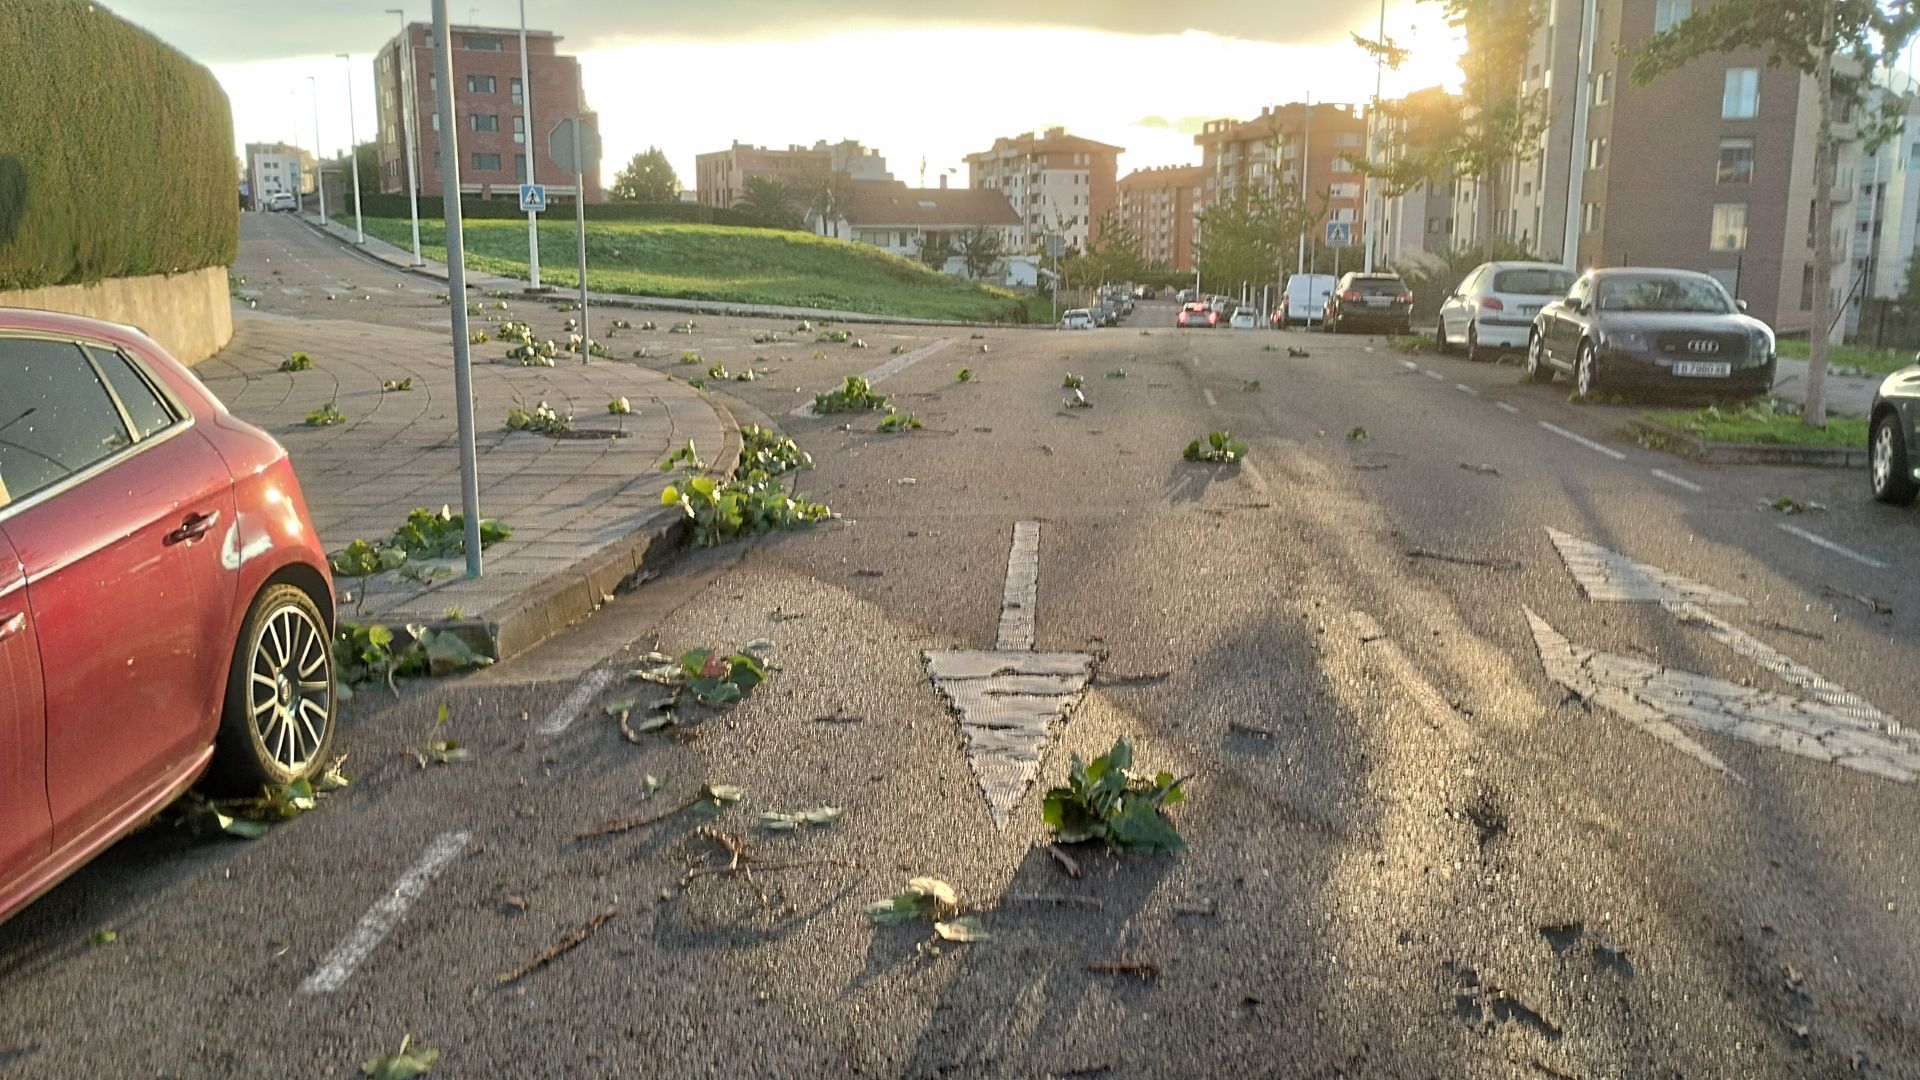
(920, 80)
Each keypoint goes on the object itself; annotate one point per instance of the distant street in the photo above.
(1516, 750)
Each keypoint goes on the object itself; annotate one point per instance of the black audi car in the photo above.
(1650, 329)
(1893, 440)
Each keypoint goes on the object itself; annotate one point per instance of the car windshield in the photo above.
(1663, 292)
(1533, 281)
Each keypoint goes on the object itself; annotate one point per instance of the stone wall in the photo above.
(189, 314)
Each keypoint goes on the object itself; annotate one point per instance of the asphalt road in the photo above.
(1411, 853)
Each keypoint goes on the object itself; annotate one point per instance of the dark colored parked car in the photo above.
(1893, 440)
(1360, 301)
(1631, 328)
(165, 608)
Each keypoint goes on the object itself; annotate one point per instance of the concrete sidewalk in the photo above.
(585, 511)
(402, 259)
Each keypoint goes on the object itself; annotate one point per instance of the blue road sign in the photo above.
(1339, 234)
(533, 197)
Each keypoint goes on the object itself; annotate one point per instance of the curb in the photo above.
(1692, 446)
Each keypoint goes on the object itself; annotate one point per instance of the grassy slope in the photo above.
(1873, 361)
(1762, 426)
(718, 262)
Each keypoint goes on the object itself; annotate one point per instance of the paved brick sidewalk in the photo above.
(584, 511)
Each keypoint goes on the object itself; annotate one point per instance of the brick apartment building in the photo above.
(1162, 207)
(1267, 152)
(720, 177)
(277, 167)
(1057, 183)
(487, 105)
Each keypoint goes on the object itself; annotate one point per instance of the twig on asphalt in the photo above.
(559, 948)
(1063, 899)
(1462, 560)
(626, 730)
(1249, 729)
(1086, 1070)
(869, 573)
(1066, 861)
(1144, 969)
(1101, 678)
(1206, 908)
(1775, 624)
(742, 861)
(620, 825)
(838, 718)
(1871, 603)
(1553, 1072)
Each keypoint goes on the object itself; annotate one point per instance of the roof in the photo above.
(1165, 176)
(892, 202)
(1053, 139)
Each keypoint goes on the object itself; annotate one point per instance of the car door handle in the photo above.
(13, 625)
(194, 527)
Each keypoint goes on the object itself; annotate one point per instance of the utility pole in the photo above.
(411, 151)
(353, 156)
(1373, 120)
(319, 173)
(1577, 155)
(1306, 147)
(457, 287)
(526, 113)
(1815, 413)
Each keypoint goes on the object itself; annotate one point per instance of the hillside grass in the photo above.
(724, 263)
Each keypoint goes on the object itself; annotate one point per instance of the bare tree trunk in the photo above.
(1815, 414)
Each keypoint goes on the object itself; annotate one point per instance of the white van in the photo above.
(1305, 300)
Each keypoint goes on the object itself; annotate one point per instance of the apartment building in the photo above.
(1162, 207)
(488, 101)
(720, 177)
(1886, 218)
(1419, 222)
(1267, 152)
(1058, 184)
(277, 167)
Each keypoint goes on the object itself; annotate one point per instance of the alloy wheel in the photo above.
(290, 688)
(1882, 457)
(1583, 374)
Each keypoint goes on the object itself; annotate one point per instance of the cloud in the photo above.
(227, 31)
(1186, 125)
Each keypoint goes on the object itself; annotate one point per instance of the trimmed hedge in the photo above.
(508, 206)
(116, 151)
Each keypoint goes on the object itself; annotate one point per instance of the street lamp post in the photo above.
(353, 155)
(457, 287)
(319, 174)
(1379, 68)
(411, 150)
(526, 112)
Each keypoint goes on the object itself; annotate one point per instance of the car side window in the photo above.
(56, 416)
(148, 412)
(1472, 283)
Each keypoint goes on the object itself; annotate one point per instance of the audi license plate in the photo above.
(1379, 301)
(1702, 369)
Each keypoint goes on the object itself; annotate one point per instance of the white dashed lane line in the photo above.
(1506, 408)
(1677, 481)
(384, 915)
(1208, 392)
(569, 708)
(1598, 448)
(1838, 549)
(1434, 375)
(1465, 389)
(1411, 366)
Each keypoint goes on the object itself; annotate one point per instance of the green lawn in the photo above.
(724, 263)
(1872, 361)
(1761, 423)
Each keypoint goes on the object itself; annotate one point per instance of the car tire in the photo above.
(1586, 372)
(1538, 370)
(1890, 471)
(1440, 343)
(285, 643)
(1474, 355)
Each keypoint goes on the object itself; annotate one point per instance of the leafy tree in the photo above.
(366, 161)
(648, 177)
(1494, 123)
(769, 202)
(981, 247)
(828, 193)
(1806, 35)
(1245, 236)
(1114, 254)
(936, 249)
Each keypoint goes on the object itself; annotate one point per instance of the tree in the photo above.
(936, 250)
(366, 161)
(768, 202)
(648, 177)
(1807, 35)
(828, 194)
(981, 247)
(1496, 122)
(1115, 254)
(1246, 235)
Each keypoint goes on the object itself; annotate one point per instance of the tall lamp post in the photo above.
(411, 151)
(319, 173)
(353, 155)
(526, 113)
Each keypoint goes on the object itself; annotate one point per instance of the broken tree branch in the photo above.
(559, 948)
(1463, 560)
(1143, 969)
(620, 825)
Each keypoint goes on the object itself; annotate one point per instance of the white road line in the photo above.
(1837, 549)
(384, 915)
(1465, 389)
(1678, 481)
(564, 714)
(1584, 441)
(1504, 407)
(1211, 403)
(892, 367)
(1434, 375)
(1023, 589)
(1411, 366)
(1846, 702)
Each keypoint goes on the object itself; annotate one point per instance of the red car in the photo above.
(1197, 314)
(165, 607)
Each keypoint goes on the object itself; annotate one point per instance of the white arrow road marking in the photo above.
(1007, 698)
(384, 915)
(1655, 698)
(1846, 701)
(892, 367)
(1611, 577)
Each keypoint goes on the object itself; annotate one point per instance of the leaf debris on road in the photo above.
(559, 948)
(1142, 969)
(1871, 603)
(405, 1064)
(715, 796)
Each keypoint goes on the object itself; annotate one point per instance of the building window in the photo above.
(1590, 218)
(520, 168)
(1602, 87)
(1741, 99)
(482, 42)
(1729, 227)
(486, 122)
(435, 119)
(1342, 165)
(486, 163)
(1348, 139)
(1597, 153)
(1668, 12)
(1736, 161)
(518, 91)
(433, 82)
(519, 129)
(480, 84)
